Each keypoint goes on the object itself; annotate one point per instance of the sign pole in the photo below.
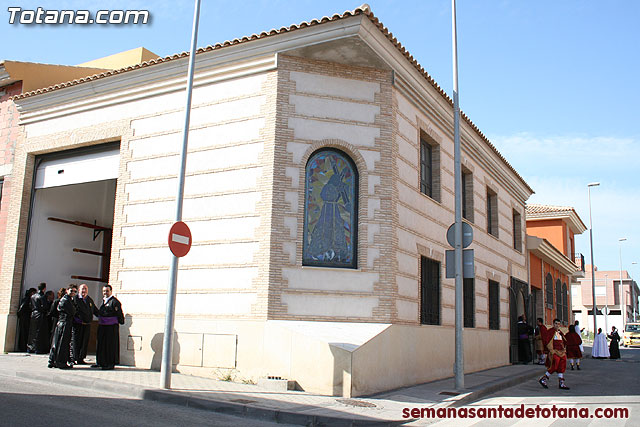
(167, 343)
(459, 352)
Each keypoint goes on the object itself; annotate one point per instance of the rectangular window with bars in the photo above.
(517, 231)
(467, 195)
(494, 305)
(426, 168)
(469, 305)
(492, 213)
(430, 291)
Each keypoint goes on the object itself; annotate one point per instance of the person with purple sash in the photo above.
(110, 316)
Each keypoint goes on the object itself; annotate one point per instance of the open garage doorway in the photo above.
(71, 220)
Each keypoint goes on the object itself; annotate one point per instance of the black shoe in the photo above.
(579, 368)
(66, 367)
(82, 362)
(95, 365)
(50, 365)
(562, 386)
(107, 368)
(572, 367)
(543, 381)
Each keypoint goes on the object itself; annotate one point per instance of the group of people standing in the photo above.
(600, 349)
(62, 326)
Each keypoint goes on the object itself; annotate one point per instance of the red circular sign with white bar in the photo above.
(179, 239)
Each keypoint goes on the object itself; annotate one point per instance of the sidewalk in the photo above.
(291, 407)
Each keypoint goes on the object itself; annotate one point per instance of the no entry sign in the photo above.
(179, 239)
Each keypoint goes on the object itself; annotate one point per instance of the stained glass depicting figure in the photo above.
(330, 210)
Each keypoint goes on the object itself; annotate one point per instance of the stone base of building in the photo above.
(8, 329)
(329, 358)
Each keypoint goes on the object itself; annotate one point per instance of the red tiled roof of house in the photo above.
(533, 209)
(362, 10)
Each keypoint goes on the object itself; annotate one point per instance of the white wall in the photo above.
(50, 256)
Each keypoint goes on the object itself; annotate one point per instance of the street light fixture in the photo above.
(593, 272)
(623, 308)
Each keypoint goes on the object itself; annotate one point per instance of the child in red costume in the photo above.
(555, 341)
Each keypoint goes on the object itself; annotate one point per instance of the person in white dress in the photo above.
(600, 348)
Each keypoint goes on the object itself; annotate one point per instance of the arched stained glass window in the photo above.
(330, 210)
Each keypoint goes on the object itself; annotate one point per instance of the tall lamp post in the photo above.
(623, 308)
(634, 300)
(606, 308)
(593, 269)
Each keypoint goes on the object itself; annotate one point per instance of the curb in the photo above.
(191, 401)
(491, 388)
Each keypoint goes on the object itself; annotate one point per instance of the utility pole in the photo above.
(459, 352)
(167, 342)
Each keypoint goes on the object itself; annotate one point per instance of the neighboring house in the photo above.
(553, 263)
(607, 284)
(319, 190)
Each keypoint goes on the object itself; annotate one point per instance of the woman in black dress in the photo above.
(614, 349)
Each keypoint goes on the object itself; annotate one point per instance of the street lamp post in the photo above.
(606, 308)
(634, 300)
(593, 272)
(623, 308)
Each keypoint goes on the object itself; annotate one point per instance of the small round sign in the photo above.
(467, 235)
(179, 239)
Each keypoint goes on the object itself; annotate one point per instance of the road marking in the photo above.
(179, 239)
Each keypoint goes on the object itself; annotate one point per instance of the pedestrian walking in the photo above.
(556, 343)
(574, 354)
(600, 349)
(614, 348)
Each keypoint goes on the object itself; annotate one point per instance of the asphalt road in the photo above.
(27, 403)
(600, 384)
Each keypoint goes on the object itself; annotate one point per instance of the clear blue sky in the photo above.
(554, 84)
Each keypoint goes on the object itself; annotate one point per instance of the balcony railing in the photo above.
(578, 259)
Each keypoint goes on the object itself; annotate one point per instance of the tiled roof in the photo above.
(362, 10)
(533, 209)
(534, 212)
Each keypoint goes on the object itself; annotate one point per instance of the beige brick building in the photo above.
(370, 313)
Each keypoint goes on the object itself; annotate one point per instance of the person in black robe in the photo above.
(110, 315)
(24, 319)
(614, 348)
(39, 328)
(53, 311)
(82, 325)
(524, 349)
(59, 356)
